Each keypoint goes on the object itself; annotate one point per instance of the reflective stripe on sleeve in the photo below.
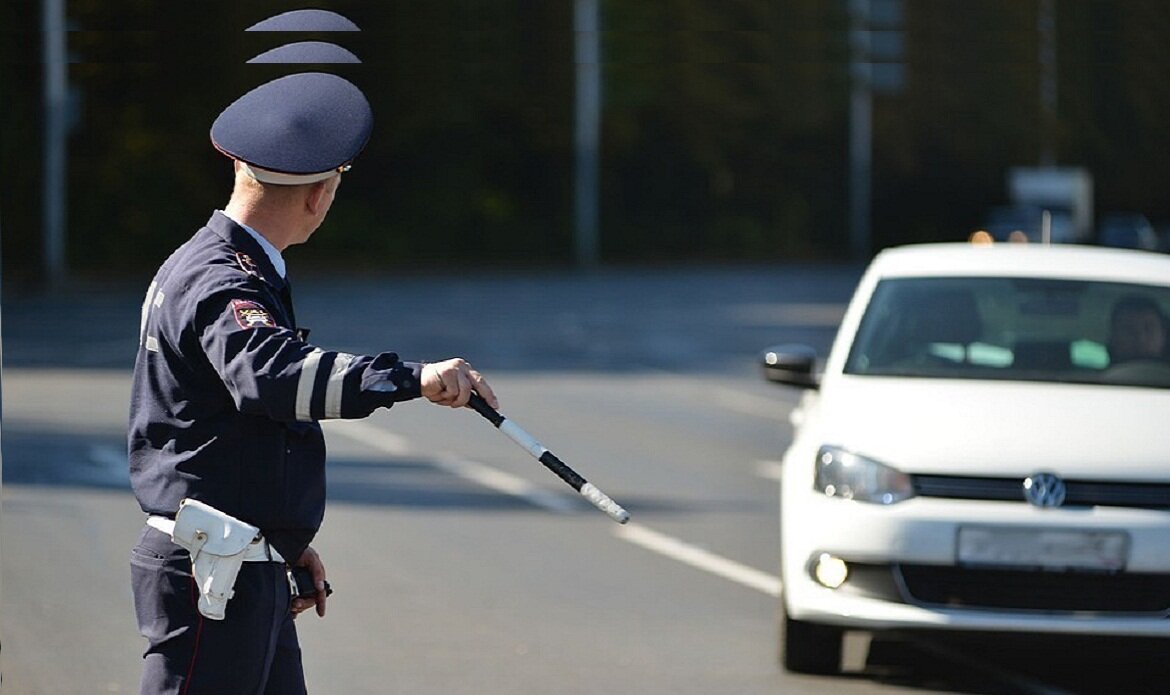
(336, 385)
(146, 305)
(305, 385)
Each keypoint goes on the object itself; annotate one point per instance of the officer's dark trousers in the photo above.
(253, 651)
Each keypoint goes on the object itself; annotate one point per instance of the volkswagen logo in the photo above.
(1044, 490)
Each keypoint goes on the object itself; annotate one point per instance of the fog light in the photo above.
(830, 571)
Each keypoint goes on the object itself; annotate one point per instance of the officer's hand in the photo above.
(312, 560)
(451, 383)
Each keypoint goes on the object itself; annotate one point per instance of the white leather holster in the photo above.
(219, 545)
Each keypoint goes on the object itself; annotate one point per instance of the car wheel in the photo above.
(809, 647)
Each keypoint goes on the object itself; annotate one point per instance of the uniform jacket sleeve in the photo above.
(269, 371)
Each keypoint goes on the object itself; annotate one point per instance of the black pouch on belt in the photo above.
(304, 581)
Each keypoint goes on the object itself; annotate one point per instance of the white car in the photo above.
(986, 448)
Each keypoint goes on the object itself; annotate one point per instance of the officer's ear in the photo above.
(317, 196)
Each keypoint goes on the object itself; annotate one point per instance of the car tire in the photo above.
(809, 648)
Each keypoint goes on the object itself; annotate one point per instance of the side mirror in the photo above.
(791, 365)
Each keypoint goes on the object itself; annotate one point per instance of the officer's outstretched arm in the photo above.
(268, 370)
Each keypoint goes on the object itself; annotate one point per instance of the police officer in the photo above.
(227, 396)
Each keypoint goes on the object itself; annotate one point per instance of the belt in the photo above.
(260, 550)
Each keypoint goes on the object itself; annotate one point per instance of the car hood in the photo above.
(994, 428)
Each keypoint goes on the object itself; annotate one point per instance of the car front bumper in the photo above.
(905, 573)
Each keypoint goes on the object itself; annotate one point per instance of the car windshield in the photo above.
(1016, 328)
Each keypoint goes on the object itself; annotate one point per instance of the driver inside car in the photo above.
(1138, 330)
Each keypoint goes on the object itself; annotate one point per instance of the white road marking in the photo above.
(637, 534)
(508, 484)
(474, 471)
(769, 469)
(752, 578)
(370, 435)
(495, 479)
(699, 558)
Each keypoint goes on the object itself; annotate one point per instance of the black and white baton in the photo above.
(527, 442)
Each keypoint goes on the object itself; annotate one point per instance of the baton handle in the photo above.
(539, 452)
(479, 405)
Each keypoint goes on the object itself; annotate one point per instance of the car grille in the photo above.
(1080, 493)
(966, 587)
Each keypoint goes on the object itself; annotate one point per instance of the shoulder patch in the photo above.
(247, 264)
(251, 314)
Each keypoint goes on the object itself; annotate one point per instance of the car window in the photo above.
(1016, 328)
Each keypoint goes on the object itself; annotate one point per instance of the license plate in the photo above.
(1046, 548)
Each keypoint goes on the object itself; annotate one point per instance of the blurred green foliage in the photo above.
(724, 134)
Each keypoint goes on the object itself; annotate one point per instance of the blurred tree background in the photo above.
(724, 126)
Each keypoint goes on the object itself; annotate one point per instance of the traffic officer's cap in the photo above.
(307, 52)
(305, 20)
(297, 129)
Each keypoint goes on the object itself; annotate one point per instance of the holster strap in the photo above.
(259, 550)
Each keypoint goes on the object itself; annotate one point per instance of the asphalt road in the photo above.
(461, 565)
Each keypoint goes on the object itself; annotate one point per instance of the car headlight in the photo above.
(846, 475)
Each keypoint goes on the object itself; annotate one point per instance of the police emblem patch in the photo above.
(250, 314)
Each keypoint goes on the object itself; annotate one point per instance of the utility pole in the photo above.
(1, 418)
(860, 130)
(877, 66)
(1046, 28)
(587, 131)
(56, 131)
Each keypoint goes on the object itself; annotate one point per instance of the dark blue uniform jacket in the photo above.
(227, 394)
